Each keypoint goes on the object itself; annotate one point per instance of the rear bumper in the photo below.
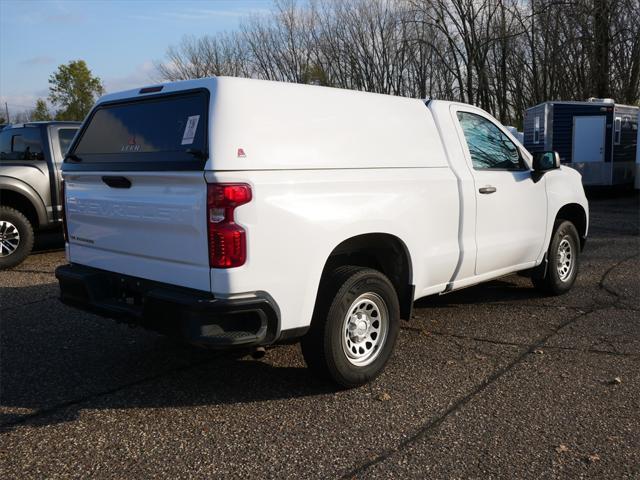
(196, 316)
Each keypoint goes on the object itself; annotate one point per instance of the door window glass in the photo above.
(65, 135)
(21, 144)
(489, 147)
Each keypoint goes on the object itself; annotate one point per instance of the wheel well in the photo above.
(576, 215)
(383, 252)
(21, 203)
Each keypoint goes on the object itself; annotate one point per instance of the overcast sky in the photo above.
(119, 39)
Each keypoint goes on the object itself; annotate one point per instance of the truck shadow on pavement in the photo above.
(56, 361)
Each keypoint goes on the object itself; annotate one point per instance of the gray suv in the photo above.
(30, 158)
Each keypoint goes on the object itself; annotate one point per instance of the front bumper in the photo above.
(193, 315)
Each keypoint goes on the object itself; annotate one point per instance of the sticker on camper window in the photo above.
(190, 130)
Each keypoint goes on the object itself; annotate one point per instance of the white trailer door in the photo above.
(589, 138)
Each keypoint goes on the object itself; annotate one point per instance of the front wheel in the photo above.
(563, 257)
(354, 327)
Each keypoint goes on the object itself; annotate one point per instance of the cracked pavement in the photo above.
(493, 381)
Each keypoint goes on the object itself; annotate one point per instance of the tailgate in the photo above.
(155, 229)
(135, 190)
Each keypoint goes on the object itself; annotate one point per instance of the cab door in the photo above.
(511, 207)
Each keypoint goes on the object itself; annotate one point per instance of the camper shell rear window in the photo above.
(159, 132)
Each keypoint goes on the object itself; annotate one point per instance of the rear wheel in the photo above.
(354, 327)
(16, 237)
(563, 258)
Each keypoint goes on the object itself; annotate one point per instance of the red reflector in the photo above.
(227, 239)
(227, 245)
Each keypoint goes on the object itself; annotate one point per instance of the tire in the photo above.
(564, 260)
(16, 237)
(354, 327)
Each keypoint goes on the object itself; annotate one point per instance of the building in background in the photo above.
(598, 137)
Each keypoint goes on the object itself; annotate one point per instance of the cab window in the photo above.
(21, 144)
(489, 147)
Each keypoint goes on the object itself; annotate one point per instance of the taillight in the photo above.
(63, 202)
(227, 240)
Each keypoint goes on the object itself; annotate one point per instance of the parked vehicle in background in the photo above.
(31, 155)
(597, 137)
(236, 212)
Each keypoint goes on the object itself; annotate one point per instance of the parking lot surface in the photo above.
(492, 381)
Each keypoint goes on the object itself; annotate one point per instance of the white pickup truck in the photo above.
(246, 213)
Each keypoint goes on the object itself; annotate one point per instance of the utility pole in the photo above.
(6, 109)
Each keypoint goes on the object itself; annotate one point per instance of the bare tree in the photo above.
(503, 55)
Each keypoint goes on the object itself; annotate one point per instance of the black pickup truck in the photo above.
(30, 159)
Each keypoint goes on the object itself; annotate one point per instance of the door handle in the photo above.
(117, 181)
(487, 190)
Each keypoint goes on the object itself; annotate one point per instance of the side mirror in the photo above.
(545, 161)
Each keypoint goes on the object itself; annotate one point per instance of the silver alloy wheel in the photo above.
(565, 260)
(9, 238)
(364, 330)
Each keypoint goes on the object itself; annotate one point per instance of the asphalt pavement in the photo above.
(493, 381)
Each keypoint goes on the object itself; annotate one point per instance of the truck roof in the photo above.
(279, 125)
(210, 83)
